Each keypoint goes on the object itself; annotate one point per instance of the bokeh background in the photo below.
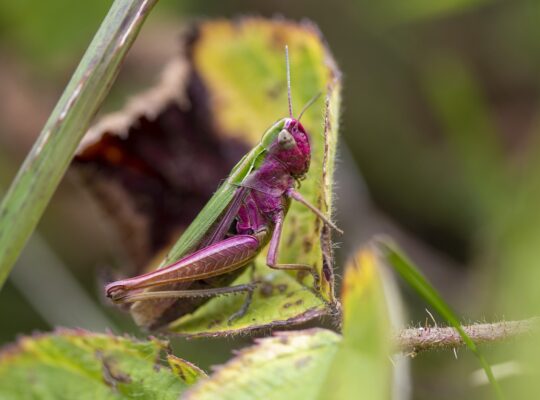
(440, 150)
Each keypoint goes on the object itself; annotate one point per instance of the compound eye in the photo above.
(286, 140)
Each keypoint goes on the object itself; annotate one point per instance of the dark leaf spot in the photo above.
(308, 244)
(267, 289)
(214, 323)
(282, 288)
(112, 376)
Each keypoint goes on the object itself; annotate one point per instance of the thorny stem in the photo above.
(415, 340)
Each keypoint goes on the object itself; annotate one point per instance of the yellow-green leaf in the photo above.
(279, 301)
(289, 365)
(188, 372)
(362, 366)
(76, 364)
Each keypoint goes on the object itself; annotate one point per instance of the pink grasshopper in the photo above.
(254, 217)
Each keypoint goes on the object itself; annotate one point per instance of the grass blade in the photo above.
(48, 160)
(411, 274)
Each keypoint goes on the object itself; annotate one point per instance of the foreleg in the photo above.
(293, 194)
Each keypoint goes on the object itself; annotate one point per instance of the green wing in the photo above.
(221, 199)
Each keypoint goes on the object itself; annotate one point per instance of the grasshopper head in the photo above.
(292, 148)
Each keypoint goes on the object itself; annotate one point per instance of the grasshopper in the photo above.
(245, 214)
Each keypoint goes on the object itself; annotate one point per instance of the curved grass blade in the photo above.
(412, 275)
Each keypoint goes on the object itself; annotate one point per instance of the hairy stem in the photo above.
(416, 340)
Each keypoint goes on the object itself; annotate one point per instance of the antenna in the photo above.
(288, 80)
(309, 104)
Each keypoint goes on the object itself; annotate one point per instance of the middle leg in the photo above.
(273, 252)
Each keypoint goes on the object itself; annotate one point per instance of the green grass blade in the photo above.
(48, 160)
(411, 274)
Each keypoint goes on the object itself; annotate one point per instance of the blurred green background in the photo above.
(440, 149)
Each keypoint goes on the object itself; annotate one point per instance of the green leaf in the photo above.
(289, 365)
(280, 301)
(362, 366)
(412, 275)
(76, 364)
(36, 181)
(242, 67)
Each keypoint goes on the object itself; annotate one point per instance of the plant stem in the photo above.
(415, 340)
(45, 165)
(412, 275)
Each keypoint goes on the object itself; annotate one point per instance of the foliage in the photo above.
(309, 364)
(72, 364)
(461, 68)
